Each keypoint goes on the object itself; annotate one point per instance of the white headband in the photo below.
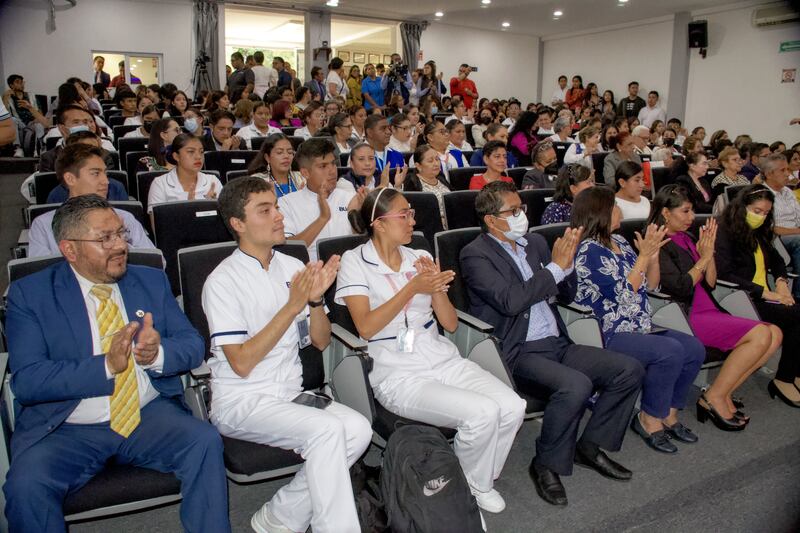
(375, 205)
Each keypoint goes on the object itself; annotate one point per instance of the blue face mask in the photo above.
(434, 110)
(190, 124)
(78, 128)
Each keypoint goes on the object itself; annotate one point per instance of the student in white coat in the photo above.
(393, 293)
(318, 210)
(262, 306)
(259, 127)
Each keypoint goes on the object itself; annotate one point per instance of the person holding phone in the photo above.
(613, 280)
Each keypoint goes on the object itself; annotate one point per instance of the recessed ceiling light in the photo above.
(506, 24)
(332, 3)
(439, 14)
(557, 13)
(486, 2)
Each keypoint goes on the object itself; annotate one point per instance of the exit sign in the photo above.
(789, 46)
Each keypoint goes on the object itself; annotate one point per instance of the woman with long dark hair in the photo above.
(162, 133)
(274, 164)
(523, 137)
(572, 179)
(575, 94)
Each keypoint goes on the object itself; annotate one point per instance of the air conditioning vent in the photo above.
(773, 16)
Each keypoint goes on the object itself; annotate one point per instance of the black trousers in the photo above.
(566, 375)
(786, 317)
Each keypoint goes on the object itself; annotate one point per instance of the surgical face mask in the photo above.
(434, 110)
(754, 220)
(517, 226)
(147, 125)
(486, 120)
(78, 128)
(669, 142)
(190, 124)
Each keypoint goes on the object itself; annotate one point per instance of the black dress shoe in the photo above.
(775, 391)
(680, 432)
(548, 484)
(657, 440)
(603, 464)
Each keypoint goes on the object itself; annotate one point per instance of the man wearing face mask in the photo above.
(544, 171)
(71, 119)
(510, 277)
(150, 115)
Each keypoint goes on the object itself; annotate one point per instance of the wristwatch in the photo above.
(318, 303)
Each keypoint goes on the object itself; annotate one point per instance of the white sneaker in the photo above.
(490, 501)
(264, 521)
(18, 152)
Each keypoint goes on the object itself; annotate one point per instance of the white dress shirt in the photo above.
(648, 115)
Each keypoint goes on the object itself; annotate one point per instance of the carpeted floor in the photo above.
(732, 482)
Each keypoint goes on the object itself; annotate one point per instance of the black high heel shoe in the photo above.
(709, 413)
(775, 391)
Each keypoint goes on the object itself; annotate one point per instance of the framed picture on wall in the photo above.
(359, 58)
(375, 58)
(387, 59)
(344, 56)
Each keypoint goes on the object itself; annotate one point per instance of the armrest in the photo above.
(727, 284)
(575, 308)
(473, 322)
(3, 365)
(792, 275)
(659, 295)
(202, 372)
(350, 341)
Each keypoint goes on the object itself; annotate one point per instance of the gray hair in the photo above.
(772, 161)
(561, 123)
(70, 218)
(661, 154)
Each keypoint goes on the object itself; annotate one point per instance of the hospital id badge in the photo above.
(405, 340)
(304, 338)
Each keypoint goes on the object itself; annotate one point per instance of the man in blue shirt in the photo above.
(284, 78)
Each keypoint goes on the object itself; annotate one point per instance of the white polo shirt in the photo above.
(167, 188)
(239, 299)
(250, 131)
(302, 208)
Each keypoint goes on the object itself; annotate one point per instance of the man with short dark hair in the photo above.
(19, 104)
(510, 277)
(221, 137)
(631, 105)
(758, 153)
(241, 80)
(71, 119)
(379, 133)
(651, 112)
(317, 84)
(100, 76)
(318, 210)
(560, 93)
(47, 163)
(96, 350)
(464, 87)
(284, 77)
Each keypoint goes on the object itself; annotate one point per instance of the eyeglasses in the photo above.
(515, 210)
(109, 240)
(406, 215)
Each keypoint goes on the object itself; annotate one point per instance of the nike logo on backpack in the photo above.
(434, 486)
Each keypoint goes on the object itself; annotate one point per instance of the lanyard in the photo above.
(279, 188)
(381, 162)
(396, 290)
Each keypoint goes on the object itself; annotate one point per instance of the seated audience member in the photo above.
(402, 139)
(745, 256)
(142, 102)
(70, 121)
(563, 131)
(332, 107)
(427, 379)
(149, 115)
(486, 116)
(662, 157)
(656, 131)
(688, 275)
(274, 164)
(523, 137)
(185, 181)
(379, 133)
(510, 277)
(622, 147)
(717, 136)
(302, 97)
(314, 120)
(243, 113)
(363, 169)
(641, 137)
(74, 351)
(178, 105)
(358, 117)
(572, 179)
(221, 137)
(458, 136)
(252, 301)
(282, 116)
(793, 157)
(340, 128)
(545, 125)
(126, 101)
(162, 133)
(320, 209)
(606, 134)
(428, 177)
(758, 152)
(544, 163)
(668, 139)
(696, 183)
(581, 152)
(613, 281)
(116, 190)
(777, 147)
(260, 126)
(512, 114)
(81, 169)
(786, 209)
(494, 158)
(193, 123)
(460, 113)
(495, 132)
(218, 100)
(416, 123)
(731, 163)
(629, 198)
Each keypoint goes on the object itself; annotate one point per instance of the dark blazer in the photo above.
(737, 264)
(700, 204)
(498, 295)
(675, 263)
(210, 146)
(50, 345)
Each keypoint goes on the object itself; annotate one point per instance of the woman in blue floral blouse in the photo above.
(613, 281)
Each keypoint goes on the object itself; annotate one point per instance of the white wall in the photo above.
(738, 86)
(46, 60)
(507, 63)
(611, 59)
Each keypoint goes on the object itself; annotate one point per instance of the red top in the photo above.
(574, 98)
(478, 181)
(457, 89)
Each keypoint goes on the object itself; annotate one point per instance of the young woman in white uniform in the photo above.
(392, 293)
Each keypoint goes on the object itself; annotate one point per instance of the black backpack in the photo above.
(365, 481)
(424, 489)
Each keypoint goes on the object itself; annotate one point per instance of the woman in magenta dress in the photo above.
(688, 275)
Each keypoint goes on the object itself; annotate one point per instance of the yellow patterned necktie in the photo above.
(125, 400)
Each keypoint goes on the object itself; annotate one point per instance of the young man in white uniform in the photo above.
(262, 306)
(318, 210)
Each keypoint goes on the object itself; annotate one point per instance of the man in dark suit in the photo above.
(317, 84)
(96, 349)
(510, 278)
(221, 137)
(100, 76)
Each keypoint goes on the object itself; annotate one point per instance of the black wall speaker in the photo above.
(698, 34)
